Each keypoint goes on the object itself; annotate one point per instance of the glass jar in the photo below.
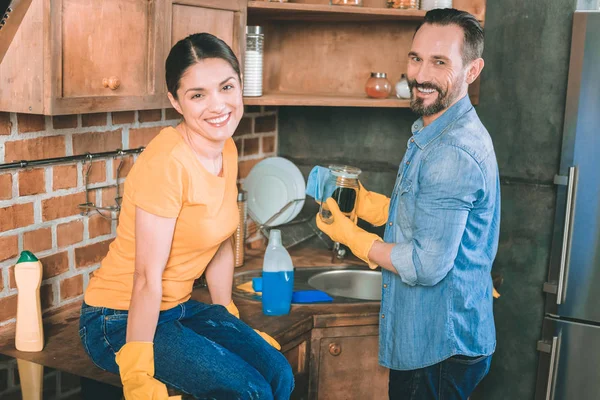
(403, 4)
(378, 86)
(402, 88)
(253, 61)
(341, 185)
(358, 3)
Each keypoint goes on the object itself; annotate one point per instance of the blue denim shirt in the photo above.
(445, 219)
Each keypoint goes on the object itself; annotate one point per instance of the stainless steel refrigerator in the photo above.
(569, 366)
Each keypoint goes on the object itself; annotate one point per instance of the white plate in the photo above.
(271, 184)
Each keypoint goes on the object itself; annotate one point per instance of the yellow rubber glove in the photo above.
(372, 207)
(233, 310)
(136, 367)
(495, 293)
(344, 231)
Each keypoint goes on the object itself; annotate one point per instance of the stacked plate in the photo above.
(431, 4)
(272, 184)
(253, 73)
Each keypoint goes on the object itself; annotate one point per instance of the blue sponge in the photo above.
(257, 284)
(311, 296)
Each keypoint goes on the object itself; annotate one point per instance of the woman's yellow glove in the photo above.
(372, 207)
(136, 367)
(233, 310)
(344, 231)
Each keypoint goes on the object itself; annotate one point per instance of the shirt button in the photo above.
(382, 315)
(385, 285)
(416, 126)
(412, 140)
(408, 162)
(390, 223)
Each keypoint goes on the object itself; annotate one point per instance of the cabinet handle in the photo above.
(335, 349)
(113, 82)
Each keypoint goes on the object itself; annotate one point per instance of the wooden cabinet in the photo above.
(297, 353)
(345, 366)
(78, 56)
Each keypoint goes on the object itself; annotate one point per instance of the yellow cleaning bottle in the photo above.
(28, 276)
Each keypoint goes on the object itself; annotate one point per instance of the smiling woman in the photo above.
(178, 214)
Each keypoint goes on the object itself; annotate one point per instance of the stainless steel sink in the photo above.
(345, 284)
(361, 284)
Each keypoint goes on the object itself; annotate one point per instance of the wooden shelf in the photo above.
(292, 99)
(318, 12)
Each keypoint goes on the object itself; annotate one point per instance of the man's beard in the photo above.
(442, 101)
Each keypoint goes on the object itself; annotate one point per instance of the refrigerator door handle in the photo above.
(552, 349)
(565, 256)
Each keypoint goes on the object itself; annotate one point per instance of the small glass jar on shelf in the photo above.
(356, 3)
(378, 86)
(403, 4)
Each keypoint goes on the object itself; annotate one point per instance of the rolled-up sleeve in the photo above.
(450, 184)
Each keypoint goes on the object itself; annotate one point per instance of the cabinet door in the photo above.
(297, 356)
(225, 19)
(349, 369)
(106, 54)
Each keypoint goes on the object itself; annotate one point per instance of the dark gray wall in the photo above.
(522, 104)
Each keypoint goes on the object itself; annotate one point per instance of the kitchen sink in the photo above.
(345, 284)
(355, 284)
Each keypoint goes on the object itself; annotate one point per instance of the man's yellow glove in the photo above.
(233, 310)
(136, 367)
(344, 231)
(372, 207)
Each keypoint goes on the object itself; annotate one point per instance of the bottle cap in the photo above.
(27, 256)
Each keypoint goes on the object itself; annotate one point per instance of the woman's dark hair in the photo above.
(473, 39)
(193, 49)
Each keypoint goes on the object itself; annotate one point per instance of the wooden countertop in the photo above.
(63, 349)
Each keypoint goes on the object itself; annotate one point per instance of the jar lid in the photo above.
(254, 30)
(345, 171)
(242, 195)
(378, 75)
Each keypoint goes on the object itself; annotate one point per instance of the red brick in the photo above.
(91, 254)
(95, 142)
(244, 127)
(35, 149)
(95, 119)
(5, 124)
(98, 226)
(71, 287)
(268, 144)
(244, 167)
(239, 143)
(8, 308)
(38, 240)
(6, 186)
(55, 264)
(9, 248)
(62, 206)
(149, 115)
(64, 177)
(251, 146)
(47, 296)
(123, 117)
(265, 124)
(31, 123)
(69, 233)
(97, 173)
(64, 121)
(1, 289)
(32, 181)
(16, 216)
(125, 167)
(171, 113)
(142, 136)
(12, 283)
(109, 195)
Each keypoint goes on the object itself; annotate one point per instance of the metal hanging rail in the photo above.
(63, 160)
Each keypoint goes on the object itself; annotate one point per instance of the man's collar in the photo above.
(425, 135)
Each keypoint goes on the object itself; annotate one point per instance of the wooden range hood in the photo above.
(11, 16)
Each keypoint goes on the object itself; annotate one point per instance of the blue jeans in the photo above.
(453, 379)
(199, 349)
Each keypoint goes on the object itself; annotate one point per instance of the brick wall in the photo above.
(38, 206)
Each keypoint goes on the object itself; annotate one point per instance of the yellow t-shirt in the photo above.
(168, 180)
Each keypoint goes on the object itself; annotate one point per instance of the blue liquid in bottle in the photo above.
(278, 277)
(277, 292)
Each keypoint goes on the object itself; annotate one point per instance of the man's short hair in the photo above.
(473, 39)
